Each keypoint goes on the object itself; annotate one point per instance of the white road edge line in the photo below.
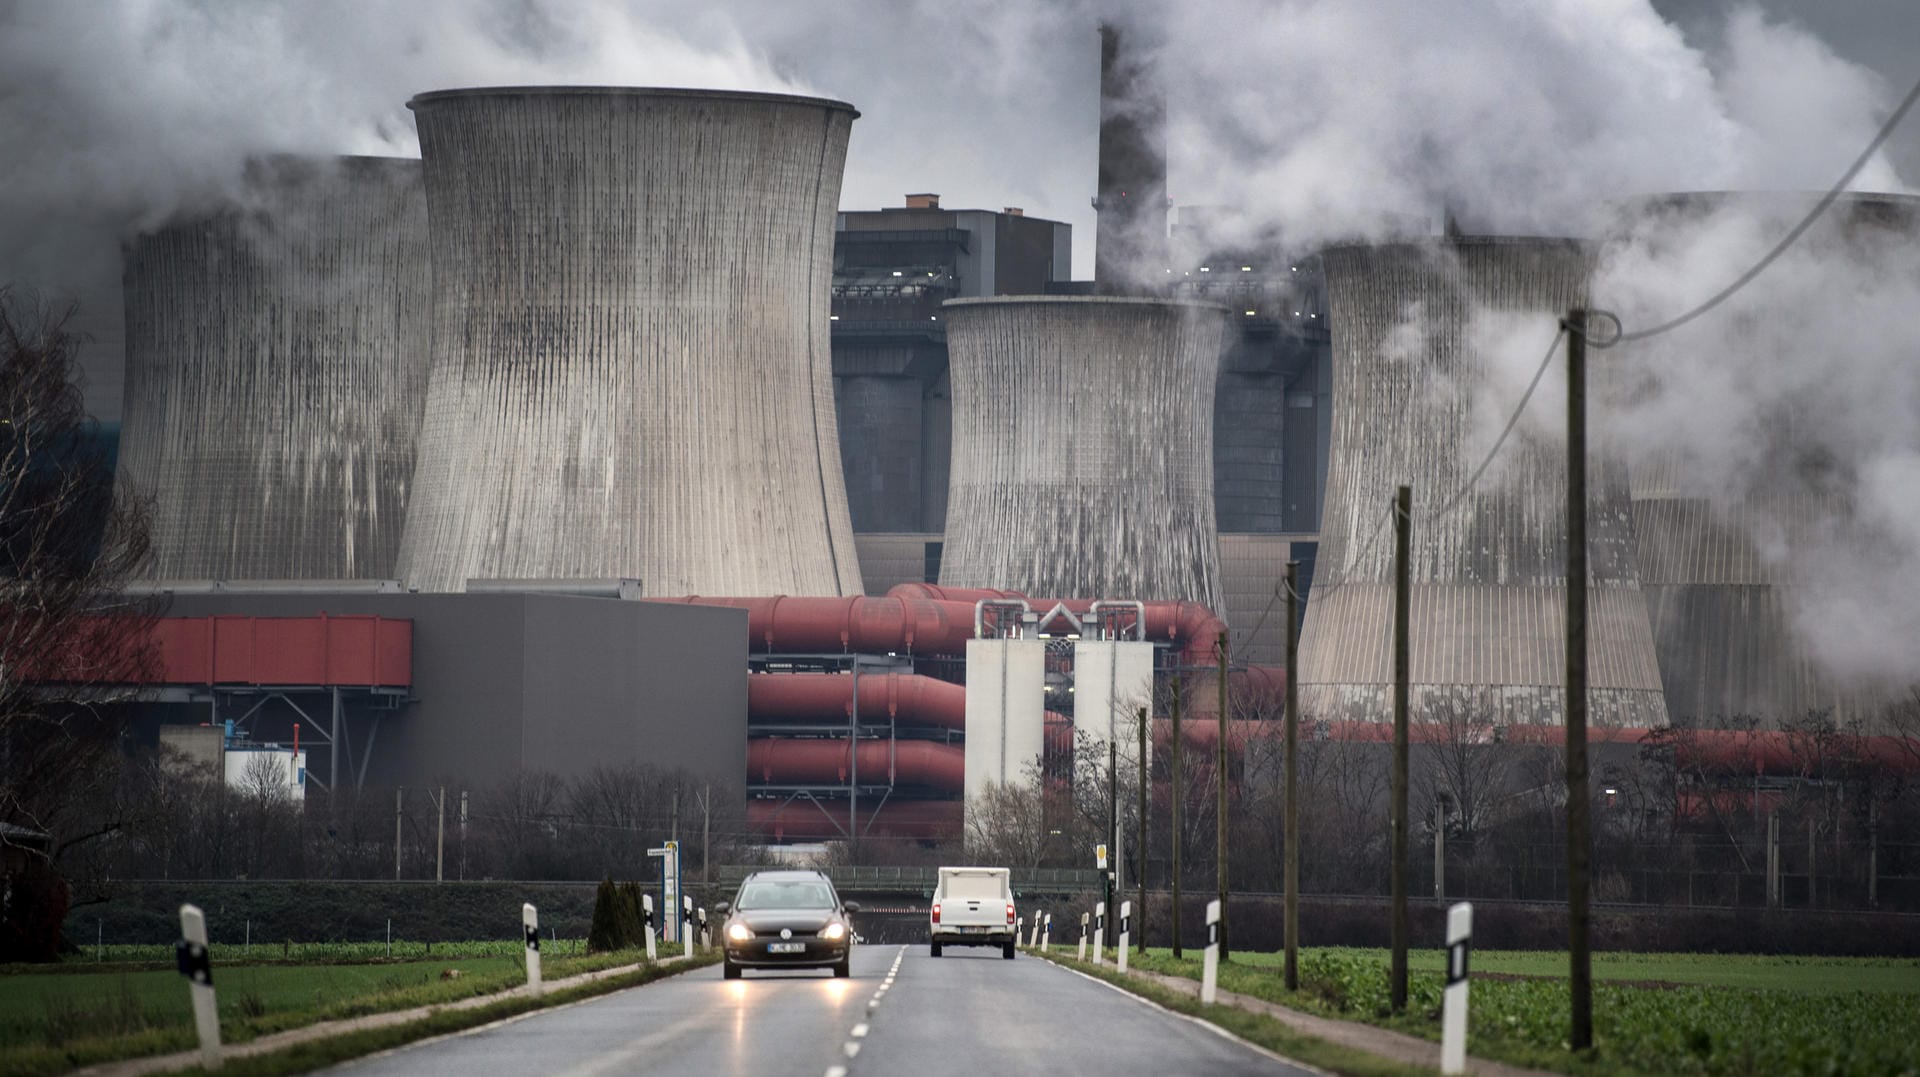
(860, 1031)
(836, 1071)
(1202, 1022)
(852, 1048)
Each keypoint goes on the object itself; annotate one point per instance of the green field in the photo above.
(1805, 975)
(65, 1015)
(1653, 1013)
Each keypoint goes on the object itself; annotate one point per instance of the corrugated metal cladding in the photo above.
(1488, 610)
(1720, 607)
(276, 365)
(1083, 447)
(631, 369)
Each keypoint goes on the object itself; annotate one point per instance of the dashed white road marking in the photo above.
(860, 1031)
(836, 1071)
(852, 1048)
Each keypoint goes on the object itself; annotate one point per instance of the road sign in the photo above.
(1100, 857)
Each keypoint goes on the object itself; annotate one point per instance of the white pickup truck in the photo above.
(973, 907)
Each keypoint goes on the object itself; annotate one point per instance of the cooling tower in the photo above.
(276, 365)
(631, 372)
(1719, 555)
(1083, 447)
(1488, 608)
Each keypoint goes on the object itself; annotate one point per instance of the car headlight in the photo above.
(739, 933)
(834, 932)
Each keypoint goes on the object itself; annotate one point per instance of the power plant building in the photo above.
(1083, 447)
(276, 368)
(1488, 578)
(631, 361)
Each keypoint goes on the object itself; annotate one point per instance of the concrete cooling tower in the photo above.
(276, 365)
(631, 371)
(1718, 557)
(1083, 447)
(1488, 612)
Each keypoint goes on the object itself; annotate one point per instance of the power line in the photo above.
(1322, 590)
(1512, 421)
(1833, 194)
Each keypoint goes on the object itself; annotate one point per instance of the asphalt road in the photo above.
(967, 1013)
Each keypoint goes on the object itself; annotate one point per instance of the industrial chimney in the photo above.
(631, 373)
(1130, 237)
(1488, 578)
(276, 366)
(1083, 447)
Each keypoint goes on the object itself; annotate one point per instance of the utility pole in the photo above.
(1580, 970)
(1140, 876)
(1113, 822)
(463, 835)
(1178, 805)
(440, 836)
(1291, 822)
(706, 832)
(673, 833)
(397, 794)
(1402, 673)
(1220, 809)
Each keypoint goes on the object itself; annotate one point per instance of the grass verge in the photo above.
(1253, 1027)
(50, 1024)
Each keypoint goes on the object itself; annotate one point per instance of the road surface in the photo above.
(967, 1013)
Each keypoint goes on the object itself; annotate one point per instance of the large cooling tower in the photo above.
(631, 373)
(1488, 608)
(1718, 562)
(1083, 447)
(276, 364)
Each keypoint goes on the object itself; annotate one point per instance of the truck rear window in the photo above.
(976, 887)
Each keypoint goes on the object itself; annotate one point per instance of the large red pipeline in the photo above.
(790, 761)
(805, 820)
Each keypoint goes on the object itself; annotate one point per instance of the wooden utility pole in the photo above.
(1580, 963)
(1140, 858)
(398, 795)
(1402, 673)
(1179, 804)
(1113, 827)
(1220, 808)
(1291, 822)
(440, 835)
(706, 830)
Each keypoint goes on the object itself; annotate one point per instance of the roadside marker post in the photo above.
(1046, 936)
(191, 954)
(1453, 1005)
(686, 924)
(1082, 955)
(1126, 931)
(702, 913)
(646, 908)
(1019, 929)
(530, 926)
(1100, 933)
(1035, 940)
(1210, 968)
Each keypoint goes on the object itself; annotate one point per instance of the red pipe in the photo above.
(787, 761)
(828, 697)
(805, 820)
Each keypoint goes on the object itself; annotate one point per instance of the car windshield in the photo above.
(791, 895)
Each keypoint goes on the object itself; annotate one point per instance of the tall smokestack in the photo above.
(1130, 238)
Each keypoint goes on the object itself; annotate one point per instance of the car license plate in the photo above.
(786, 947)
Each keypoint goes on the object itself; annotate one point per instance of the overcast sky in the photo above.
(1316, 119)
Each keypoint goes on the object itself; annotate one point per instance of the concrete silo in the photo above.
(631, 369)
(276, 365)
(1722, 548)
(1488, 578)
(1083, 447)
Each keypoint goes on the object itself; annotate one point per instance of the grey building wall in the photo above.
(1488, 578)
(1083, 447)
(890, 559)
(510, 682)
(276, 367)
(631, 366)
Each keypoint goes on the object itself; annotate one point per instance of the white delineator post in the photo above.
(701, 912)
(1082, 955)
(1453, 1005)
(646, 907)
(686, 924)
(1034, 940)
(1046, 935)
(1019, 929)
(1100, 933)
(191, 953)
(1126, 931)
(1210, 967)
(530, 926)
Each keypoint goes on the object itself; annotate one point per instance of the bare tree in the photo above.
(70, 642)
